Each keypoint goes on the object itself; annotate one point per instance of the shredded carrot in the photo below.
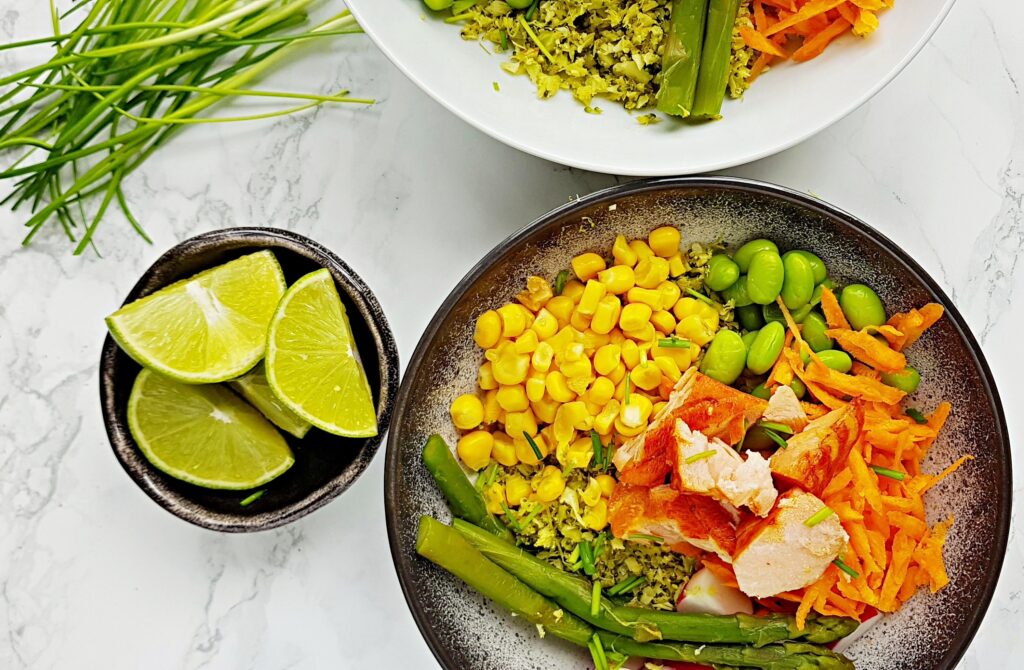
(911, 325)
(763, 61)
(809, 10)
(756, 40)
(834, 316)
(760, 19)
(864, 347)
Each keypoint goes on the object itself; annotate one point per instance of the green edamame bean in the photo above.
(862, 306)
(799, 388)
(738, 293)
(749, 317)
(725, 357)
(761, 391)
(813, 332)
(748, 339)
(817, 265)
(722, 273)
(746, 253)
(772, 312)
(839, 361)
(766, 347)
(798, 281)
(765, 277)
(816, 296)
(438, 5)
(757, 439)
(906, 380)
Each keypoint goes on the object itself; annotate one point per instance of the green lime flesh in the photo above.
(254, 388)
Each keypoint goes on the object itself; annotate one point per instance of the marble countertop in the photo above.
(93, 574)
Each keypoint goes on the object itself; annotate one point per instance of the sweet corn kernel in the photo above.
(545, 324)
(557, 387)
(676, 265)
(576, 370)
(663, 321)
(572, 352)
(513, 398)
(573, 289)
(664, 241)
(668, 368)
(527, 342)
(579, 321)
(586, 266)
(636, 412)
(646, 377)
(492, 410)
(617, 374)
(647, 296)
(467, 411)
(670, 293)
(569, 418)
(475, 449)
(634, 316)
(645, 334)
(564, 338)
(606, 315)
(504, 450)
(630, 354)
(589, 495)
(560, 307)
(538, 292)
(488, 329)
(592, 294)
(604, 420)
(606, 358)
(517, 423)
(594, 409)
(517, 490)
(509, 367)
(607, 484)
(542, 355)
(651, 271)
(601, 391)
(623, 253)
(641, 250)
(593, 341)
(616, 336)
(524, 452)
(550, 485)
(494, 498)
(626, 431)
(513, 321)
(658, 406)
(576, 454)
(535, 387)
(681, 355)
(596, 517)
(685, 307)
(694, 329)
(618, 278)
(545, 408)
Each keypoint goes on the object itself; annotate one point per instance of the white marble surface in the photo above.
(94, 575)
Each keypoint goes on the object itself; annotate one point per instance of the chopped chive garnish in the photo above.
(641, 536)
(252, 498)
(560, 279)
(587, 557)
(615, 659)
(599, 545)
(574, 555)
(504, 40)
(627, 585)
(510, 518)
(643, 358)
(497, 89)
(597, 653)
(532, 10)
(528, 519)
(845, 568)
(533, 445)
(777, 427)
(595, 599)
(486, 477)
(595, 440)
(775, 437)
(886, 472)
(700, 457)
(626, 394)
(673, 343)
(818, 517)
(700, 296)
(916, 415)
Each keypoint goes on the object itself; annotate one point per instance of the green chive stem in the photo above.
(818, 517)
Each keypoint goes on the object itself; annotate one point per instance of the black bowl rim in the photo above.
(370, 311)
(966, 632)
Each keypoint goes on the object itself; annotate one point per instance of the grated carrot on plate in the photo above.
(863, 346)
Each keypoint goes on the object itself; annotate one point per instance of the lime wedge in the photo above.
(312, 363)
(254, 388)
(208, 328)
(204, 435)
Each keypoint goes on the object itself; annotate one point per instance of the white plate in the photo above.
(785, 106)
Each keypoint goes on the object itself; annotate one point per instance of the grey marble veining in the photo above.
(93, 574)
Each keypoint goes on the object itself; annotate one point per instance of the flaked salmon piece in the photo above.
(711, 467)
(781, 552)
(704, 404)
(814, 455)
(674, 517)
(785, 408)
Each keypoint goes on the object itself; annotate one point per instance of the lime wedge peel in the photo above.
(208, 328)
(204, 435)
(312, 363)
(254, 388)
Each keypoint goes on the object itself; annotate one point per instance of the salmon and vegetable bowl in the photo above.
(693, 456)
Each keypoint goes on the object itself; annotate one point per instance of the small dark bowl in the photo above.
(325, 464)
(930, 632)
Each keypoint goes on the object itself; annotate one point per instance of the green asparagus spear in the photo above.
(446, 547)
(464, 500)
(680, 60)
(574, 594)
(715, 59)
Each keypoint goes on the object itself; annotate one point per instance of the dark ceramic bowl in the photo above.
(325, 464)
(931, 631)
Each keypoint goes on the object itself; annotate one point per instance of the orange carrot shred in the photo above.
(756, 40)
(834, 316)
(810, 9)
(865, 348)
